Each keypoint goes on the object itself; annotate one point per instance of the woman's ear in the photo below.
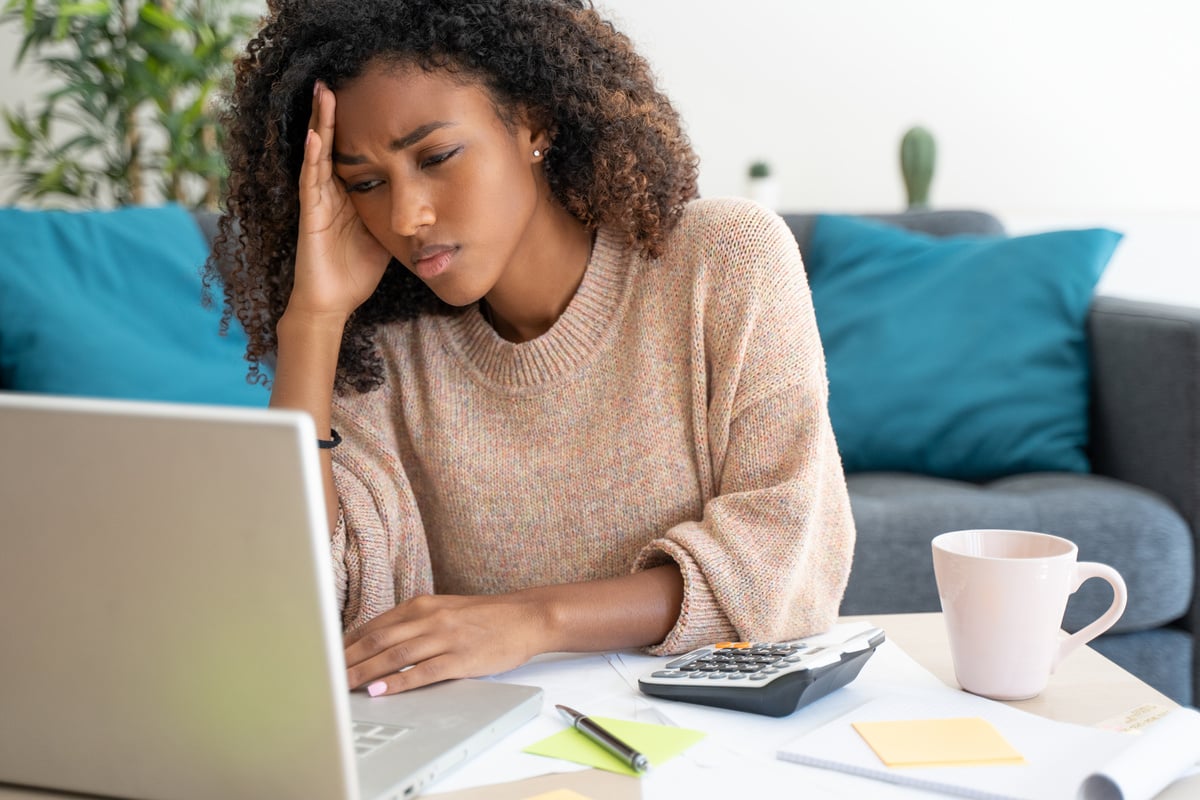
(540, 132)
(539, 145)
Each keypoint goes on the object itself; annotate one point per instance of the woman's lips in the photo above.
(430, 266)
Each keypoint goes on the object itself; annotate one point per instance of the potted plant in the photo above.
(131, 115)
(918, 155)
(762, 186)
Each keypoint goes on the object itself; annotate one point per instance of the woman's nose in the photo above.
(412, 210)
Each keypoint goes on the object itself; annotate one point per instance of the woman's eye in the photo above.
(433, 161)
(361, 186)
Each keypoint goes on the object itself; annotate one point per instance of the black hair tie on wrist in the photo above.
(329, 444)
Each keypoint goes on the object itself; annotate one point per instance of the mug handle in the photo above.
(1083, 571)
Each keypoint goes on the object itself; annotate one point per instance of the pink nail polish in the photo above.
(377, 688)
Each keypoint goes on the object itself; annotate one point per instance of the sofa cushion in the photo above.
(934, 221)
(108, 304)
(1131, 529)
(964, 357)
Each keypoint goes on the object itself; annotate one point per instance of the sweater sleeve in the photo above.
(770, 557)
(380, 555)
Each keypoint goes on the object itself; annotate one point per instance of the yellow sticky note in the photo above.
(958, 742)
(657, 743)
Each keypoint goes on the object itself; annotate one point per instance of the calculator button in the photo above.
(736, 676)
(666, 673)
(759, 676)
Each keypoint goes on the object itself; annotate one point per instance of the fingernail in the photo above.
(316, 88)
(377, 688)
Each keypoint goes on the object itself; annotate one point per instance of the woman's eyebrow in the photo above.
(404, 142)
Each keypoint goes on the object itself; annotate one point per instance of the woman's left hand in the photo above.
(438, 637)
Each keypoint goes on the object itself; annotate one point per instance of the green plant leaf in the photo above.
(94, 9)
(70, 12)
(132, 92)
(159, 19)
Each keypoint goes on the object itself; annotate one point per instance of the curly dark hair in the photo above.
(619, 159)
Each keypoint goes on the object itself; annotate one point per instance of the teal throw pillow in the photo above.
(108, 304)
(962, 357)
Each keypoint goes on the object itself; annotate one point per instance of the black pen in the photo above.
(588, 727)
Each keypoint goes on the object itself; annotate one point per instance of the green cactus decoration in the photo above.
(918, 152)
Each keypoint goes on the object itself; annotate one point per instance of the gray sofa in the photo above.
(1138, 511)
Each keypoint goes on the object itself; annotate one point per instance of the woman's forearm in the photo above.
(432, 638)
(304, 378)
(628, 611)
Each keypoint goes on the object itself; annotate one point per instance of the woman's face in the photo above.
(438, 178)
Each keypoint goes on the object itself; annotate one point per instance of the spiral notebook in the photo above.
(1054, 759)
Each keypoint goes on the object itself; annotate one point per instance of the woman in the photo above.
(573, 408)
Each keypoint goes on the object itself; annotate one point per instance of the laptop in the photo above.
(169, 623)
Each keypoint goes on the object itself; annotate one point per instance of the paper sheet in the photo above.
(1164, 750)
(658, 743)
(1062, 760)
(1059, 755)
(580, 681)
(958, 741)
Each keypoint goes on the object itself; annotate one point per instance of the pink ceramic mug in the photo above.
(1003, 595)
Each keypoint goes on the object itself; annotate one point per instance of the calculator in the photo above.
(771, 678)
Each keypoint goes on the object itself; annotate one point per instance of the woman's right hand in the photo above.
(338, 262)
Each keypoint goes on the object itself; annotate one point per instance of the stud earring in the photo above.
(537, 153)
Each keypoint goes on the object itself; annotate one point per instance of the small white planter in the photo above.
(764, 191)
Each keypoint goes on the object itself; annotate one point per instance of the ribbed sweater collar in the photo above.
(570, 343)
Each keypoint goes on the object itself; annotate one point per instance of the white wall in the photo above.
(1050, 113)
(16, 87)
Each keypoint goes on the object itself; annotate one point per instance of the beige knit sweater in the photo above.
(675, 411)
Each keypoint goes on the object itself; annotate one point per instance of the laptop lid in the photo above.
(169, 620)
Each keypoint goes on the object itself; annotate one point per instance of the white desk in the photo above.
(1086, 689)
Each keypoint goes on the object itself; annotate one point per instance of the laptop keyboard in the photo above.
(370, 736)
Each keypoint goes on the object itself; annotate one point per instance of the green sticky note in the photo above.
(658, 743)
